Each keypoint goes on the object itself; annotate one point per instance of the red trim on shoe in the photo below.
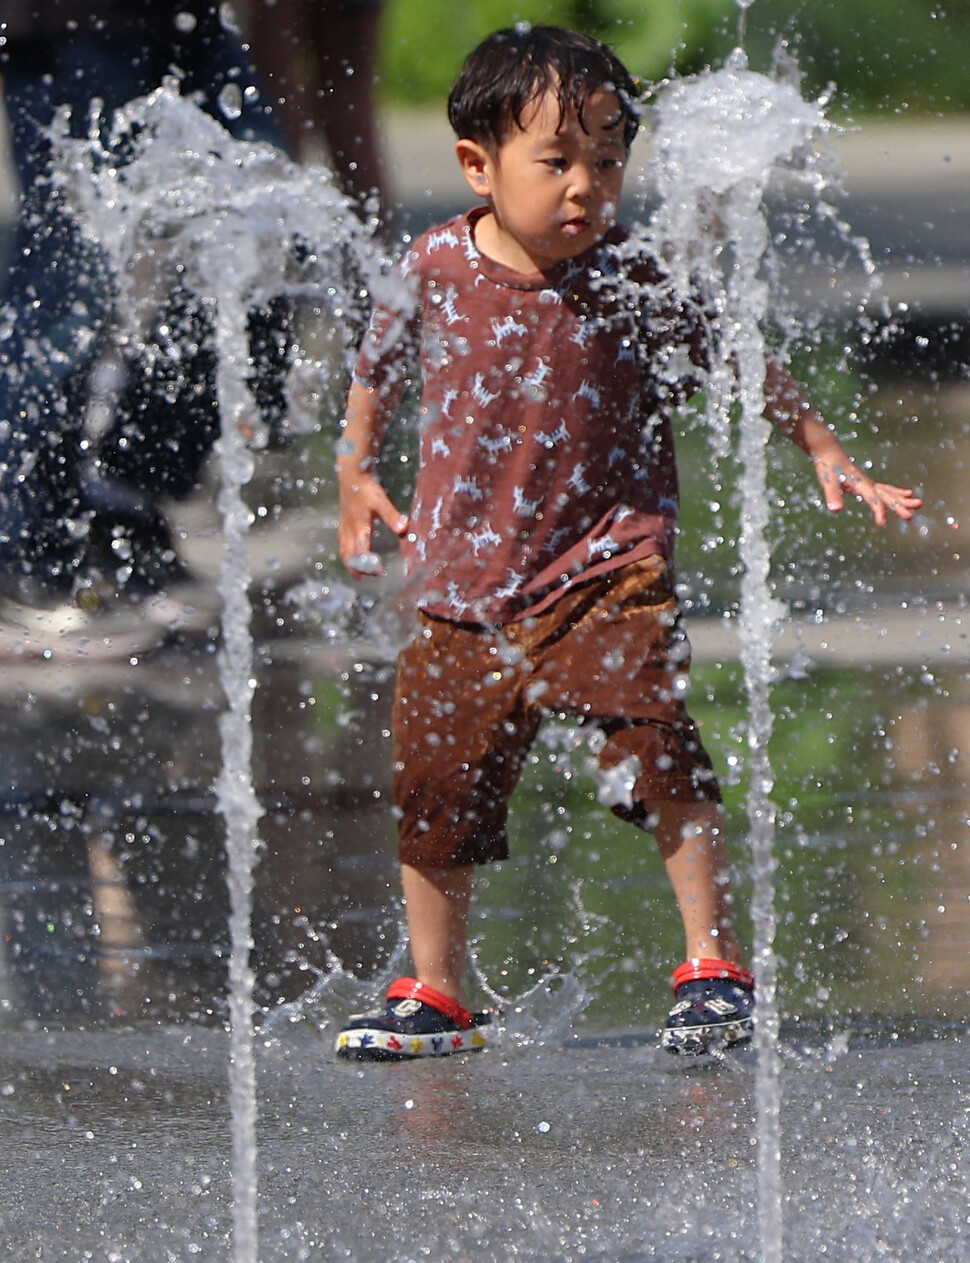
(700, 968)
(411, 989)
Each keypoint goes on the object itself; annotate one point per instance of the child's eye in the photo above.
(557, 164)
(612, 164)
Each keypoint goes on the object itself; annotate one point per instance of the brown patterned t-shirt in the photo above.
(546, 451)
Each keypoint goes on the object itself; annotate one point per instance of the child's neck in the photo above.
(501, 247)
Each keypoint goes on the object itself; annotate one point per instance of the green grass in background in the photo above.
(905, 57)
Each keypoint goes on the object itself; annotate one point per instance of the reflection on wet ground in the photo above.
(574, 1139)
(113, 881)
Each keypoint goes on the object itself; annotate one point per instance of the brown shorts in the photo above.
(469, 701)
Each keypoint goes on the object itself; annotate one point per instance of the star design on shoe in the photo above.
(418, 1021)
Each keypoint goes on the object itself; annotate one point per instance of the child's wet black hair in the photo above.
(512, 68)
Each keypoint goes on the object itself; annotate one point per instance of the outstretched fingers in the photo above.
(898, 500)
(882, 498)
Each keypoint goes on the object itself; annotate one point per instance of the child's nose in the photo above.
(583, 182)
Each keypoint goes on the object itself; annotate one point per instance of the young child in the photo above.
(539, 545)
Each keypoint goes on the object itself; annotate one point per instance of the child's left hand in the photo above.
(787, 407)
(837, 475)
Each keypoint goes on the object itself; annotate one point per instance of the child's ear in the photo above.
(475, 166)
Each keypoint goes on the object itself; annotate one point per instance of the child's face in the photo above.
(553, 186)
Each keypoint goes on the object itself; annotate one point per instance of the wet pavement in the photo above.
(545, 1153)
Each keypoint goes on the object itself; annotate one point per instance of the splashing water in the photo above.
(336, 992)
(166, 191)
(719, 139)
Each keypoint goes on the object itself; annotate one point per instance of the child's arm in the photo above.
(787, 407)
(362, 498)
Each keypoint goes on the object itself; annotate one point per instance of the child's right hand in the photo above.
(361, 504)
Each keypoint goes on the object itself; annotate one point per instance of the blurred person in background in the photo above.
(319, 59)
(67, 498)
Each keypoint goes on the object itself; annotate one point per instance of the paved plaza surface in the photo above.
(549, 1154)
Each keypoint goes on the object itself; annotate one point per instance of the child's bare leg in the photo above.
(437, 902)
(692, 842)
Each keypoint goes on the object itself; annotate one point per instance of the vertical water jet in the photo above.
(719, 139)
(240, 226)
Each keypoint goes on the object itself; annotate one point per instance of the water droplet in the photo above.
(231, 100)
